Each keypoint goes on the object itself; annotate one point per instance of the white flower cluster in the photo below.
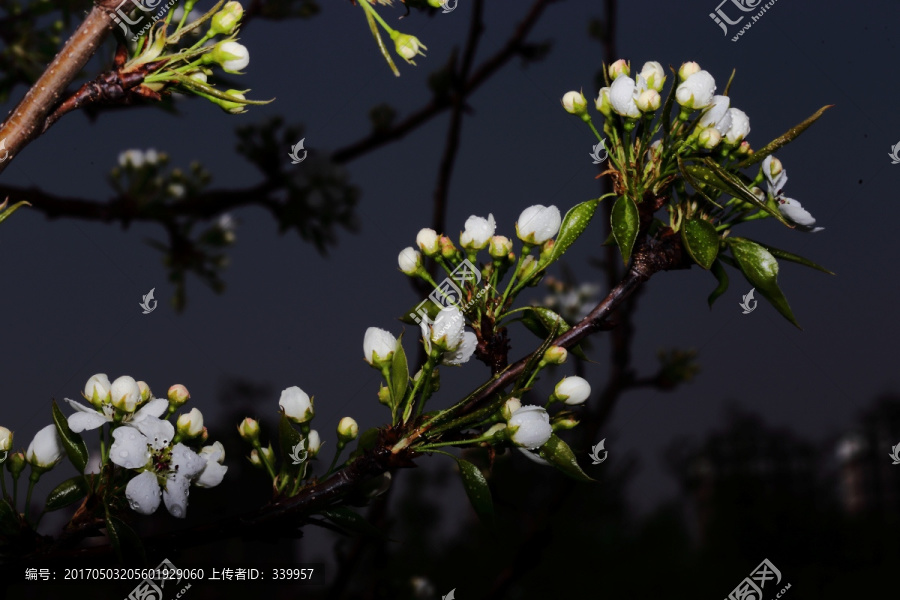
(138, 158)
(163, 455)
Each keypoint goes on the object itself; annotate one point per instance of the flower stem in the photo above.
(368, 8)
(426, 447)
(32, 479)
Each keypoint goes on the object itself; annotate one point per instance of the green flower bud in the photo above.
(178, 395)
(347, 430)
(225, 22)
(249, 430)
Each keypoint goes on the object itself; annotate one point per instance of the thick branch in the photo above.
(26, 120)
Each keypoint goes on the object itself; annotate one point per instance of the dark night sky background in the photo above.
(292, 317)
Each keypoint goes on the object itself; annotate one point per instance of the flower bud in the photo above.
(500, 247)
(564, 422)
(775, 167)
(249, 430)
(575, 103)
(6, 439)
(96, 390)
(410, 261)
(198, 76)
(408, 46)
(654, 74)
(648, 101)
(230, 55)
(296, 404)
(125, 394)
(527, 268)
(529, 427)
(45, 449)
(622, 97)
(225, 22)
(15, 464)
(740, 126)
(538, 223)
(556, 355)
(378, 347)
(448, 250)
(313, 443)
(263, 454)
(384, 395)
(572, 390)
(234, 108)
(146, 394)
(709, 138)
(428, 242)
(178, 395)
(619, 68)
(190, 425)
(603, 105)
(347, 429)
(509, 407)
(696, 91)
(744, 149)
(688, 69)
(478, 232)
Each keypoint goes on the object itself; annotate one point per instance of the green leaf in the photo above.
(399, 373)
(123, 539)
(573, 225)
(722, 277)
(712, 174)
(6, 213)
(73, 443)
(419, 311)
(540, 321)
(558, 453)
(351, 521)
(701, 240)
(793, 257)
(761, 270)
(625, 221)
(288, 439)
(477, 490)
(782, 140)
(67, 492)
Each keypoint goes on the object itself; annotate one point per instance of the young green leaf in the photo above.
(701, 240)
(722, 277)
(399, 373)
(351, 521)
(777, 253)
(573, 225)
(761, 270)
(558, 453)
(8, 211)
(67, 492)
(625, 221)
(73, 443)
(292, 447)
(782, 140)
(477, 490)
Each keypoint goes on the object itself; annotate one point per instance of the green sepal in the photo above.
(761, 270)
(722, 277)
(67, 492)
(558, 453)
(73, 443)
(782, 140)
(477, 490)
(625, 220)
(701, 240)
(351, 521)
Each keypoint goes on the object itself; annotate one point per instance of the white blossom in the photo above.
(378, 346)
(478, 232)
(538, 223)
(45, 450)
(297, 405)
(530, 426)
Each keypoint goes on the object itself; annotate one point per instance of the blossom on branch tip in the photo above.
(572, 390)
(296, 404)
(478, 232)
(410, 260)
(428, 241)
(378, 346)
(125, 394)
(529, 427)
(574, 103)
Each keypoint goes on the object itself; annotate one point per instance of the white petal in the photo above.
(794, 212)
(78, 406)
(86, 421)
(129, 449)
(176, 495)
(212, 473)
(154, 408)
(464, 352)
(143, 493)
(621, 96)
(158, 433)
(532, 456)
(186, 462)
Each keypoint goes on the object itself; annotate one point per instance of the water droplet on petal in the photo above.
(124, 453)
